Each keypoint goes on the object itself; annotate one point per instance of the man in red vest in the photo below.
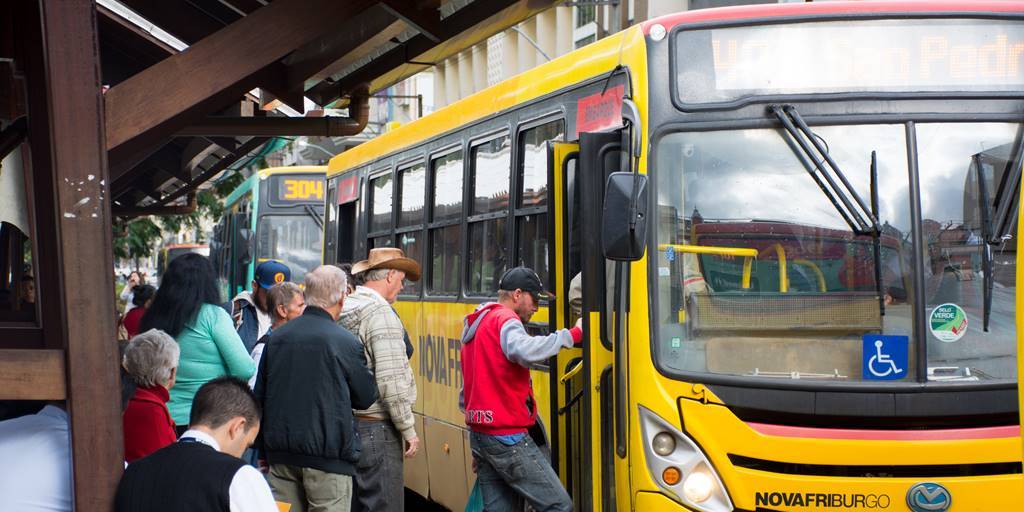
(497, 354)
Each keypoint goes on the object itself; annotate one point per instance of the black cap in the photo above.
(525, 279)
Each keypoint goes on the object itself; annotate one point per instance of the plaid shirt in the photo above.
(375, 323)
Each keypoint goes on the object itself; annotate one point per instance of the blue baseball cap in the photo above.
(271, 272)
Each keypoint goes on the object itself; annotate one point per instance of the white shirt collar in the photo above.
(201, 437)
(372, 292)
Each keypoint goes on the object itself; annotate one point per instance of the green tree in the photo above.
(136, 239)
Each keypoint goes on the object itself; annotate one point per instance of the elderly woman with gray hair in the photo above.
(151, 360)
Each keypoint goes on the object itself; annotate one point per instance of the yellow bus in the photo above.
(796, 296)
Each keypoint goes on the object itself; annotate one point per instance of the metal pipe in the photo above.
(225, 126)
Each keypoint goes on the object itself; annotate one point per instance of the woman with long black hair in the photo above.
(186, 306)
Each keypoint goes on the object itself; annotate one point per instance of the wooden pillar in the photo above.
(69, 168)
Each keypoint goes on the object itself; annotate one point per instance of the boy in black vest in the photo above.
(202, 471)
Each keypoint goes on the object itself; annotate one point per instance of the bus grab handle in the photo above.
(748, 255)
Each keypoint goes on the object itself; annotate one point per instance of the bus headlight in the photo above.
(663, 443)
(698, 487)
(679, 467)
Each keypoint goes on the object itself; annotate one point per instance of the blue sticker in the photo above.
(884, 357)
(670, 253)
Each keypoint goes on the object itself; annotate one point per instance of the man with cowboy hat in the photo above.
(386, 428)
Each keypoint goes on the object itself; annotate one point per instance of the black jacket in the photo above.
(312, 374)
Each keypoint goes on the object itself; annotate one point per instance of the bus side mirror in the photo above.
(624, 220)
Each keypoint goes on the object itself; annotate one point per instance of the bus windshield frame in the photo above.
(742, 231)
(815, 70)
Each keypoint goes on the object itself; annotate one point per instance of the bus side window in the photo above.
(381, 195)
(490, 177)
(409, 232)
(445, 249)
(531, 219)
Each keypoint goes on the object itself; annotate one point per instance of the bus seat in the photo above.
(777, 313)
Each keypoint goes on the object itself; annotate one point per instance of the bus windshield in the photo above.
(294, 240)
(759, 275)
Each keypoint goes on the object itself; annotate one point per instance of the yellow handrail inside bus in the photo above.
(783, 275)
(747, 254)
(817, 272)
(571, 373)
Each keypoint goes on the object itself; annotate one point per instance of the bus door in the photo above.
(567, 380)
(587, 395)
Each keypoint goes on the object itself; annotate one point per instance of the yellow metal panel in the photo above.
(416, 468)
(980, 494)
(1020, 318)
(446, 459)
(659, 502)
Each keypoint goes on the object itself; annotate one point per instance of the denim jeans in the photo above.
(509, 475)
(379, 484)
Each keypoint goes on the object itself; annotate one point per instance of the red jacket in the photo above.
(496, 356)
(132, 320)
(147, 423)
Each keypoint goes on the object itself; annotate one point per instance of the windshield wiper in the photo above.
(876, 239)
(986, 234)
(1006, 201)
(995, 231)
(316, 216)
(814, 156)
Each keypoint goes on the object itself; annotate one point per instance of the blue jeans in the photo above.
(379, 484)
(509, 475)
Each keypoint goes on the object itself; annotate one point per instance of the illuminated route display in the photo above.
(884, 56)
(285, 189)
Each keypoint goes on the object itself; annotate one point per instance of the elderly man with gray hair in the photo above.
(387, 425)
(312, 374)
(151, 360)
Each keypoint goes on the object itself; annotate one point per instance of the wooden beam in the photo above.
(426, 20)
(310, 65)
(466, 27)
(157, 99)
(179, 19)
(66, 109)
(32, 375)
(251, 145)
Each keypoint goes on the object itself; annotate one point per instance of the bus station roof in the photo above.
(199, 86)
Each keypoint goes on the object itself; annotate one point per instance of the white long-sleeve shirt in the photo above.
(35, 474)
(127, 294)
(249, 491)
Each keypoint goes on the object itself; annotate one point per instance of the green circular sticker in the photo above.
(948, 322)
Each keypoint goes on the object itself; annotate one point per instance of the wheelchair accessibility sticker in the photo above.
(948, 322)
(884, 357)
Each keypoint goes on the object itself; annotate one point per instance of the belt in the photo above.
(370, 418)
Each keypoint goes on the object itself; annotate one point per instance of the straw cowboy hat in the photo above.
(390, 258)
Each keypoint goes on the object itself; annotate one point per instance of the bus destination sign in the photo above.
(884, 56)
(285, 189)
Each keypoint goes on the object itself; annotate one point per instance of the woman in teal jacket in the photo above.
(187, 307)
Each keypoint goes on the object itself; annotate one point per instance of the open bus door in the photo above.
(1019, 306)
(568, 390)
(585, 424)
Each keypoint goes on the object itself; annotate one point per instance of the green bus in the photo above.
(276, 213)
